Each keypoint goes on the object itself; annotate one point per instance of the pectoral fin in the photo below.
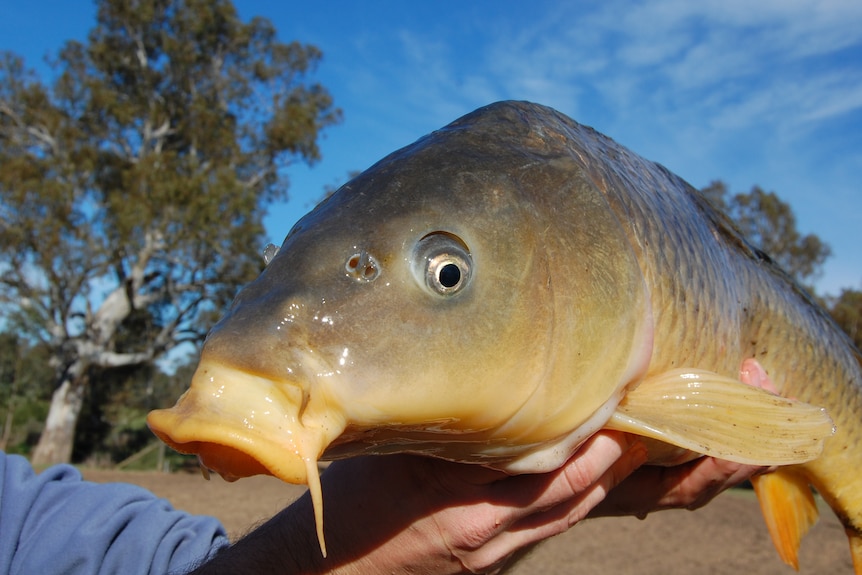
(789, 511)
(715, 415)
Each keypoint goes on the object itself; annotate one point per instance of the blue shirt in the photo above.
(55, 522)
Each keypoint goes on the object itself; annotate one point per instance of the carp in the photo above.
(500, 290)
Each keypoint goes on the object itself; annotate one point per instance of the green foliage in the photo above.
(133, 187)
(112, 425)
(25, 385)
(769, 223)
(155, 152)
(846, 310)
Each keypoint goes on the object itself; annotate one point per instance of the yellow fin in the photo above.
(789, 511)
(715, 415)
(855, 549)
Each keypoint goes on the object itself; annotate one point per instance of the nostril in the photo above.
(362, 266)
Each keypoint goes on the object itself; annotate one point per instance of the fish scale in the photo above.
(671, 247)
(784, 330)
(781, 328)
(592, 289)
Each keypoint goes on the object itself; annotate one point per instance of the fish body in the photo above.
(500, 290)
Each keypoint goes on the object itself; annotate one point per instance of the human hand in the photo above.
(417, 515)
(402, 513)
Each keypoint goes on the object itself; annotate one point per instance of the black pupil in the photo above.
(449, 275)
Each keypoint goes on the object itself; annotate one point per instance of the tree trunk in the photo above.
(10, 406)
(7, 425)
(55, 443)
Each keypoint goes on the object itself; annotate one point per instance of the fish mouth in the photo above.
(241, 424)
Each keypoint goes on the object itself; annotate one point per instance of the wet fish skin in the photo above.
(521, 309)
(594, 270)
(718, 300)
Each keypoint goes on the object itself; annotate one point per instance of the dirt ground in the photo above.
(727, 536)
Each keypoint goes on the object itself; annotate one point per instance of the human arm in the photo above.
(54, 522)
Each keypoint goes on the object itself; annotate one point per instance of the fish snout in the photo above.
(241, 424)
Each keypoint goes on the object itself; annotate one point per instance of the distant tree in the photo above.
(116, 422)
(769, 223)
(330, 189)
(846, 309)
(132, 189)
(25, 382)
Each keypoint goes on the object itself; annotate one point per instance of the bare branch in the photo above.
(113, 359)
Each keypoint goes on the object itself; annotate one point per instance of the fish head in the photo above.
(451, 300)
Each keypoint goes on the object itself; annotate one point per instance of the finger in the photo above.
(690, 486)
(705, 480)
(566, 497)
(498, 505)
(752, 373)
(579, 501)
(525, 494)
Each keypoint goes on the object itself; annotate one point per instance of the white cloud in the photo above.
(730, 63)
(832, 95)
(746, 91)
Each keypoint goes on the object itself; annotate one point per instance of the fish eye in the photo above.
(442, 263)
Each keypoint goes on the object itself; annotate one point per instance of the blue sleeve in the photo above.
(55, 522)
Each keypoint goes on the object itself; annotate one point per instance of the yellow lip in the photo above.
(240, 424)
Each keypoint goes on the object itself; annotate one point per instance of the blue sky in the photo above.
(766, 93)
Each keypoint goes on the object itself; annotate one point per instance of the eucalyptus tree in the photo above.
(846, 309)
(770, 224)
(134, 181)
